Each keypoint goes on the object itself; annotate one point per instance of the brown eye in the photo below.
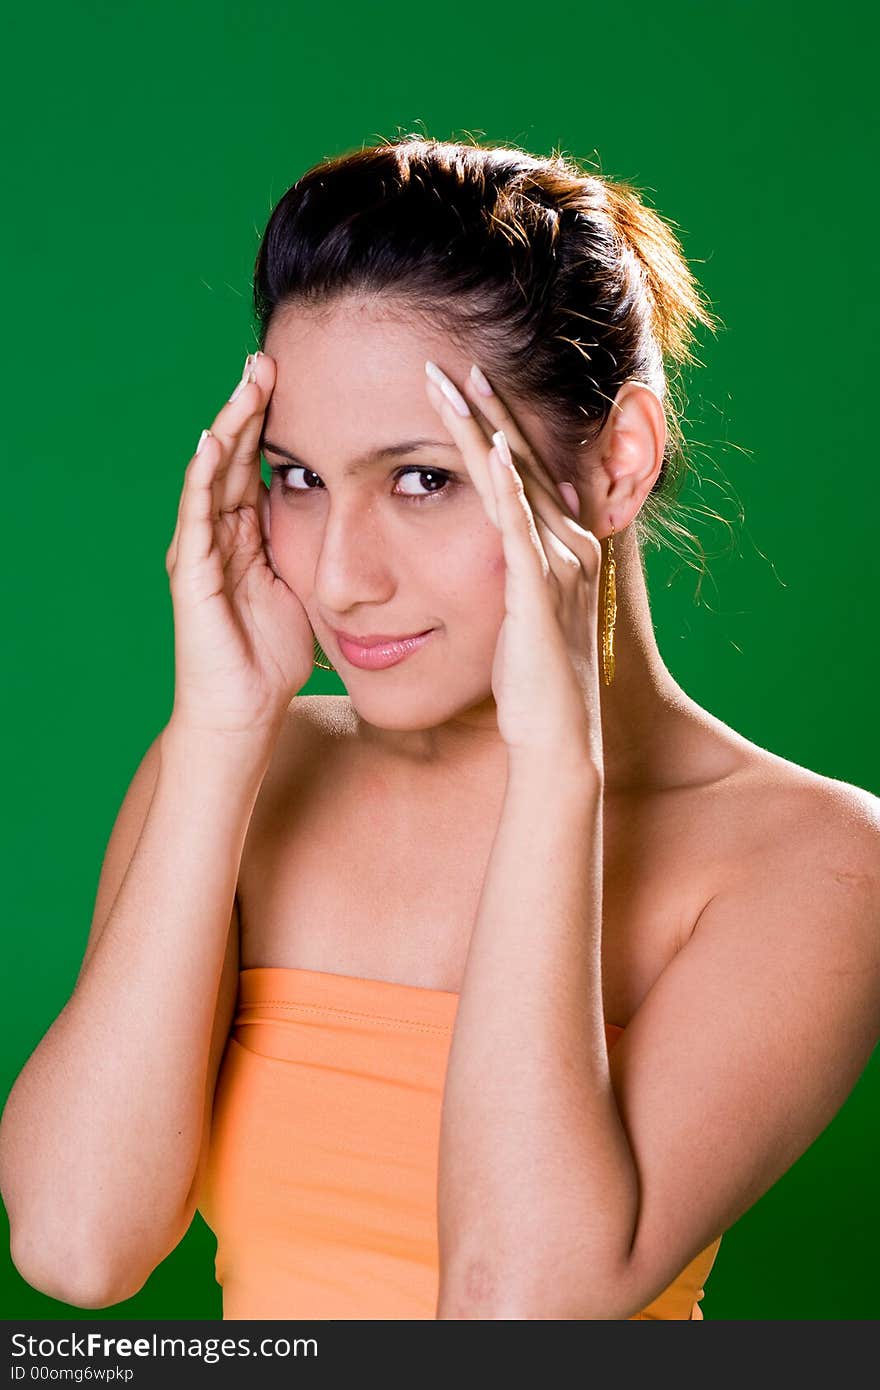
(282, 469)
(436, 480)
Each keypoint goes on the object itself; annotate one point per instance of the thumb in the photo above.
(265, 525)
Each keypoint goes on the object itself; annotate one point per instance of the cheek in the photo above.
(290, 549)
(480, 564)
(485, 567)
(479, 590)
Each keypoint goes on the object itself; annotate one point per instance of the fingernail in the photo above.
(569, 493)
(499, 439)
(246, 376)
(202, 437)
(452, 394)
(480, 381)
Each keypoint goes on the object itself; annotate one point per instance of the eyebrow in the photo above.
(367, 459)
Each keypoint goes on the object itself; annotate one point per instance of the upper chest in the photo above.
(349, 870)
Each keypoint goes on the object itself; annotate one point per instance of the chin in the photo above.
(400, 715)
(418, 711)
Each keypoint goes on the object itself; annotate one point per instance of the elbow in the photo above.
(477, 1289)
(480, 1291)
(456, 1305)
(80, 1282)
(80, 1268)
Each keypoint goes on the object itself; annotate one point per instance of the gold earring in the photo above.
(321, 657)
(609, 613)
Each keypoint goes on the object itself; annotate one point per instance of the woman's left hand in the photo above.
(545, 675)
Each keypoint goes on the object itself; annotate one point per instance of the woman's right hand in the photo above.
(243, 644)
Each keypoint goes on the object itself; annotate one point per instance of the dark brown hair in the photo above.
(562, 283)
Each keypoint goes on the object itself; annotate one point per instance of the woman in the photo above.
(503, 985)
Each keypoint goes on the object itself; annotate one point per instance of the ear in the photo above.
(634, 438)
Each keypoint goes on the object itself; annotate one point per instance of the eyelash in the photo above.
(450, 481)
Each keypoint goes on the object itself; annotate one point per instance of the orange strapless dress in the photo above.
(321, 1180)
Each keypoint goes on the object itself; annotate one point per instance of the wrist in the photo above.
(237, 754)
(555, 772)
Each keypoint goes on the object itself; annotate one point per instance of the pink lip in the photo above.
(374, 652)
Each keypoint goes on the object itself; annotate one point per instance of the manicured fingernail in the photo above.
(499, 439)
(569, 493)
(246, 376)
(480, 381)
(202, 437)
(452, 394)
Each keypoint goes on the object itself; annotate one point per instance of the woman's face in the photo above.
(389, 544)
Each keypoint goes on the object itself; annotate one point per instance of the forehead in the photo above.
(359, 338)
(353, 373)
(351, 376)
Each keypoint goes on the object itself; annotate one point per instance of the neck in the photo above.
(644, 709)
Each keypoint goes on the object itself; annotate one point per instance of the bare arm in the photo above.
(103, 1131)
(537, 1179)
(578, 1184)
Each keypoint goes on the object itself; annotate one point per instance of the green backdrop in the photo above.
(146, 146)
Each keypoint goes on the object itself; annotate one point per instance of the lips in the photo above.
(377, 639)
(373, 652)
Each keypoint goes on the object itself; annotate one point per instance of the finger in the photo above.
(467, 432)
(562, 562)
(569, 492)
(527, 565)
(263, 512)
(541, 488)
(479, 390)
(195, 520)
(234, 459)
(569, 537)
(472, 436)
(238, 426)
(171, 552)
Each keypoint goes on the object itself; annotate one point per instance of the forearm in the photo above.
(101, 1132)
(537, 1196)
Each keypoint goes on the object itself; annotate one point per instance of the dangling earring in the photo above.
(609, 613)
(321, 657)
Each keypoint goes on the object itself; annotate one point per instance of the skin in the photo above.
(363, 559)
(737, 917)
(778, 956)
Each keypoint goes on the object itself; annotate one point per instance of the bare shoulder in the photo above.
(779, 986)
(314, 725)
(834, 846)
(329, 715)
(800, 813)
(803, 882)
(793, 856)
(848, 817)
(316, 718)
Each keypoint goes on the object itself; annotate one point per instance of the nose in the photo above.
(353, 561)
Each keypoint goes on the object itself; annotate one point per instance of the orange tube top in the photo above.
(321, 1179)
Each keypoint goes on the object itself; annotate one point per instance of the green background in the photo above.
(145, 148)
